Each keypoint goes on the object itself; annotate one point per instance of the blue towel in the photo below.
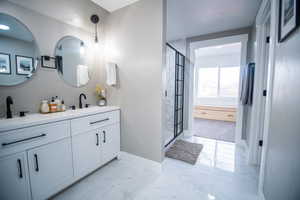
(248, 84)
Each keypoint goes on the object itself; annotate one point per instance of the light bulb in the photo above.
(82, 49)
(4, 27)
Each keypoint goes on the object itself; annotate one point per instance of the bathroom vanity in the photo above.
(41, 155)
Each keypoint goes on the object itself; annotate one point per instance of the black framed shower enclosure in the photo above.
(176, 74)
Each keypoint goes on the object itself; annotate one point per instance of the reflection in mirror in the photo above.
(71, 61)
(19, 52)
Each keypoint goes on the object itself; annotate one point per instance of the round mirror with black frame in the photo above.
(71, 61)
(19, 52)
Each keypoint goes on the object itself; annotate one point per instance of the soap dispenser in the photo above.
(44, 108)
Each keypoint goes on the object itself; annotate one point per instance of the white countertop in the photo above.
(38, 119)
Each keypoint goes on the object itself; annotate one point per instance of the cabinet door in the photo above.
(14, 183)
(110, 137)
(50, 168)
(86, 152)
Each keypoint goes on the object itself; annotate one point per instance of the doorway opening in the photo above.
(217, 76)
(216, 111)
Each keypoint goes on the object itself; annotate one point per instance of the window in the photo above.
(218, 82)
(208, 82)
(229, 81)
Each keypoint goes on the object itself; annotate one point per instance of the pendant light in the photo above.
(95, 20)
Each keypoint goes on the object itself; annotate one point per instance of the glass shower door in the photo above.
(179, 93)
(174, 97)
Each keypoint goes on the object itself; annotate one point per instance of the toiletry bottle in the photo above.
(53, 106)
(44, 108)
(63, 106)
(58, 104)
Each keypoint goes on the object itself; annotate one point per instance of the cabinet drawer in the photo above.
(22, 139)
(92, 122)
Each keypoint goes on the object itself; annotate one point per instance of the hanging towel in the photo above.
(248, 84)
(111, 74)
(82, 75)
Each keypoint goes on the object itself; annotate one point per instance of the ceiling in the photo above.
(186, 18)
(227, 49)
(112, 5)
(74, 12)
(17, 30)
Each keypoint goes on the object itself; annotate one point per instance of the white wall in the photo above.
(282, 153)
(231, 60)
(179, 45)
(134, 37)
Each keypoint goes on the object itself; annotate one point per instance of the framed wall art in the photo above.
(5, 66)
(288, 18)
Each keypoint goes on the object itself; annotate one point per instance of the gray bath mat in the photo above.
(184, 151)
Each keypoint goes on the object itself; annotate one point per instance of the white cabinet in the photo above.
(86, 152)
(95, 148)
(110, 137)
(50, 168)
(37, 161)
(14, 183)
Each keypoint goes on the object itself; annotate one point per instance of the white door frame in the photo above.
(243, 39)
(272, 7)
(268, 9)
(258, 98)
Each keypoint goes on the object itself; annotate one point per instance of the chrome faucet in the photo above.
(9, 101)
(80, 99)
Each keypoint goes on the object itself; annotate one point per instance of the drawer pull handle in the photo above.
(36, 163)
(203, 113)
(23, 140)
(104, 137)
(20, 169)
(97, 135)
(96, 122)
(229, 115)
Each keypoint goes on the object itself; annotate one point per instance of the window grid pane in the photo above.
(208, 82)
(229, 81)
(218, 82)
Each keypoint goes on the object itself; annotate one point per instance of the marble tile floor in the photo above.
(221, 173)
